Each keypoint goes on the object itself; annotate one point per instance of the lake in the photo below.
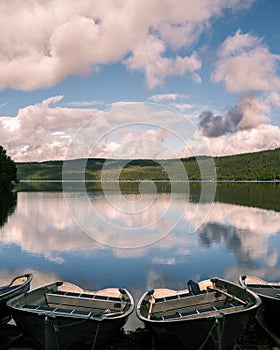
(140, 240)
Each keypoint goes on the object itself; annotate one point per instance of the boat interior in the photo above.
(266, 289)
(81, 304)
(186, 304)
(260, 286)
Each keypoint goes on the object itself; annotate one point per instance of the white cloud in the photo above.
(236, 44)
(84, 103)
(274, 99)
(41, 131)
(246, 65)
(45, 131)
(46, 41)
(253, 112)
(164, 97)
(182, 106)
(245, 141)
(148, 57)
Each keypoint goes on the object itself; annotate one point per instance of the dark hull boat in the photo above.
(63, 316)
(18, 285)
(268, 314)
(208, 315)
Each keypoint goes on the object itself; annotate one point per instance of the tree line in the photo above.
(8, 170)
(264, 165)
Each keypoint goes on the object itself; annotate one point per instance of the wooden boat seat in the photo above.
(178, 296)
(86, 295)
(186, 300)
(225, 308)
(84, 301)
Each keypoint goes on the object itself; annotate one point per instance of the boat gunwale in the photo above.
(16, 288)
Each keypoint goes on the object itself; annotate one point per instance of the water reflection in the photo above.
(42, 225)
(8, 202)
(41, 236)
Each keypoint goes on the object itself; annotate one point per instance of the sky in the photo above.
(138, 79)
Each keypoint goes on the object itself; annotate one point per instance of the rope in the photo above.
(95, 337)
(56, 329)
(220, 330)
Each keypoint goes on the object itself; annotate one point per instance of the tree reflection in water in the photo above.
(8, 202)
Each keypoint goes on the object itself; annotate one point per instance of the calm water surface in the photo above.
(136, 241)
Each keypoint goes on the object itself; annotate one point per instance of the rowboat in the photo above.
(268, 314)
(61, 315)
(211, 314)
(18, 285)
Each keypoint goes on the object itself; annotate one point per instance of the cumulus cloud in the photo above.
(213, 126)
(243, 128)
(44, 42)
(42, 131)
(45, 131)
(260, 138)
(245, 64)
(148, 57)
(236, 44)
(248, 113)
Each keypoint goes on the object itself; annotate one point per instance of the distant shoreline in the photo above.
(259, 166)
(159, 181)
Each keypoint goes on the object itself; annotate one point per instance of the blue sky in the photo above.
(215, 63)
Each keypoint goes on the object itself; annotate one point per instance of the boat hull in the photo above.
(64, 333)
(9, 293)
(200, 333)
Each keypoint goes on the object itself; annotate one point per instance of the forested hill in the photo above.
(263, 165)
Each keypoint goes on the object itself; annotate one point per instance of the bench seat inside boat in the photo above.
(184, 305)
(78, 303)
(178, 296)
(196, 312)
(186, 300)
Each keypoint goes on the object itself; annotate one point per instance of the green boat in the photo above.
(211, 314)
(61, 315)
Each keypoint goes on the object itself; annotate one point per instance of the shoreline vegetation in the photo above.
(258, 166)
(8, 171)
